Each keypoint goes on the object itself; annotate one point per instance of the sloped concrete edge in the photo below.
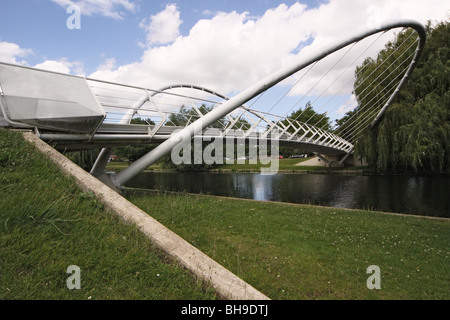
(226, 284)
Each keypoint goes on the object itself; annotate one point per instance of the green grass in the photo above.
(114, 165)
(285, 251)
(48, 224)
(283, 165)
(307, 252)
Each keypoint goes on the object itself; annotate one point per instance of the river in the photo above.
(420, 195)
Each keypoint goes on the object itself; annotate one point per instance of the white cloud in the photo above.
(227, 52)
(108, 64)
(61, 66)
(108, 8)
(12, 53)
(230, 51)
(163, 28)
(349, 104)
(208, 12)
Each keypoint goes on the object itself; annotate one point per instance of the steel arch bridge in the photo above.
(77, 113)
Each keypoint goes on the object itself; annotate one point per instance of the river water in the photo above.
(421, 195)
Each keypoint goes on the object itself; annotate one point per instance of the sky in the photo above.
(225, 45)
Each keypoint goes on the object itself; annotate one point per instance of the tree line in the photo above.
(414, 132)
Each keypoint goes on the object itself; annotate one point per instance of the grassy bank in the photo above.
(307, 252)
(48, 224)
(284, 165)
(285, 251)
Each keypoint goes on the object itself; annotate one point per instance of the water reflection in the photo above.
(424, 195)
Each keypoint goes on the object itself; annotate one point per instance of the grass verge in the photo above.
(308, 252)
(48, 224)
(285, 251)
(285, 165)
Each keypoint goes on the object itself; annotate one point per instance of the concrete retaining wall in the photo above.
(227, 284)
(316, 161)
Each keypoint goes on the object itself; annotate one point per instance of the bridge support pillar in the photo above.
(345, 157)
(325, 160)
(100, 163)
(108, 179)
(329, 161)
(98, 170)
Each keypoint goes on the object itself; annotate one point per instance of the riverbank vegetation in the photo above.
(48, 224)
(414, 134)
(284, 165)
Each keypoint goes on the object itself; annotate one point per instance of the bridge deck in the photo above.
(110, 135)
(73, 113)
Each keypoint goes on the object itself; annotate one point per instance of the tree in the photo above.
(135, 152)
(240, 124)
(186, 116)
(310, 116)
(84, 158)
(306, 115)
(139, 120)
(414, 133)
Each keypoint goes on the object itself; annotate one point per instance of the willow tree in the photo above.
(414, 133)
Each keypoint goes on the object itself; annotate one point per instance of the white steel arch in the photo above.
(228, 106)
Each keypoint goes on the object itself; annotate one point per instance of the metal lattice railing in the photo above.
(163, 110)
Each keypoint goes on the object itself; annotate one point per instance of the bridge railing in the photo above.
(179, 106)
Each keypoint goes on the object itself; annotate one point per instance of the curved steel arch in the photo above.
(340, 143)
(240, 99)
(200, 88)
(189, 86)
(147, 97)
(285, 73)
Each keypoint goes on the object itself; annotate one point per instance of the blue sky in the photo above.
(40, 25)
(224, 45)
